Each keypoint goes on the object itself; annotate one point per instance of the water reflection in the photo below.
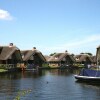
(90, 90)
(46, 85)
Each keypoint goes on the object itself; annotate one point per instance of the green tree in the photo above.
(90, 54)
(52, 54)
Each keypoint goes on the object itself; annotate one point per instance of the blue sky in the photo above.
(51, 25)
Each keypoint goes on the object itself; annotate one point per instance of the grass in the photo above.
(79, 65)
(3, 70)
(22, 93)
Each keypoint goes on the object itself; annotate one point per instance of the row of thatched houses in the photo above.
(11, 56)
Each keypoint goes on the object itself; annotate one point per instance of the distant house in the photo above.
(10, 55)
(61, 59)
(94, 59)
(33, 57)
(83, 59)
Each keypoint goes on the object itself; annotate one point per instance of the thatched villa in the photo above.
(94, 59)
(60, 59)
(83, 59)
(33, 57)
(10, 56)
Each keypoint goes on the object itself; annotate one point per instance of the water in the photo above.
(46, 85)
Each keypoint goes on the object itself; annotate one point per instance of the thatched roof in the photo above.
(94, 59)
(6, 52)
(28, 53)
(47, 57)
(82, 57)
(60, 56)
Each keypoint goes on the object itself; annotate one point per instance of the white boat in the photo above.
(86, 78)
(88, 75)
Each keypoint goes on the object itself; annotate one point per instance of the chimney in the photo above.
(34, 48)
(66, 51)
(10, 44)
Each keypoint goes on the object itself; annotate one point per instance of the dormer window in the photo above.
(77, 58)
(56, 57)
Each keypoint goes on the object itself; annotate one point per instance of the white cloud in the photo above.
(86, 44)
(5, 15)
(84, 41)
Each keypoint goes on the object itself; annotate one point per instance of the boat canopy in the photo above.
(90, 72)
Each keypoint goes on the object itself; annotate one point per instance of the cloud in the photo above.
(84, 41)
(5, 15)
(85, 44)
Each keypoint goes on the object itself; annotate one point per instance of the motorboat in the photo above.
(88, 75)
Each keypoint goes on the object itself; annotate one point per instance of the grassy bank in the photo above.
(2, 70)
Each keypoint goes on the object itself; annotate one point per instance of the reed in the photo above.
(22, 93)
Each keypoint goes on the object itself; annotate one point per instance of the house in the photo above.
(83, 59)
(33, 57)
(94, 59)
(60, 59)
(10, 56)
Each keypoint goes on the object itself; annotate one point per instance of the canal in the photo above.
(46, 85)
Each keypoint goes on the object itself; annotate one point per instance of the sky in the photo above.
(51, 25)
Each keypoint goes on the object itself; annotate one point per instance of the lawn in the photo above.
(2, 70)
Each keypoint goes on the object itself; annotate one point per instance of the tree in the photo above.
(90, 54)
(72, 55)
(82, 53)
(52, 54)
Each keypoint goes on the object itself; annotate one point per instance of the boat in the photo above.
(91, 74)
(30, 67)
(88, 75)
